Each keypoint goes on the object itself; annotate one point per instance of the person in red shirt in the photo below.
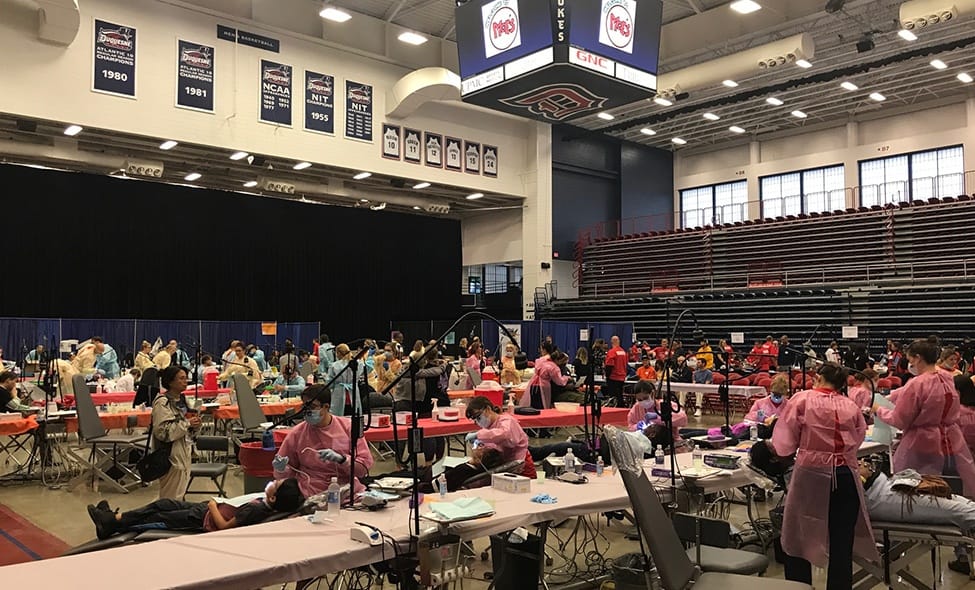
(635, 353)
(662, 352)
(759, 358)
(616, 369)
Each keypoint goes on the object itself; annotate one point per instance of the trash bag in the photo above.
(631, 572)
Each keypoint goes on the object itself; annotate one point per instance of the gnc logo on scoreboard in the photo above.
(502, 26)
(616, 24)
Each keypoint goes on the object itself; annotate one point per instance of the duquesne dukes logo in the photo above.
(557, 102)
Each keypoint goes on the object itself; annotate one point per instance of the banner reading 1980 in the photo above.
(275, 93)
(319, 102)
(114, 63)
(194, 76)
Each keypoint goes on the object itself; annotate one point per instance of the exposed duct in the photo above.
(421, 86)
(919, 14)
(58, 21)
(740, 65)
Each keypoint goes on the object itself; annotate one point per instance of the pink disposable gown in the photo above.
(313, 474)
(827, 429)
(765, 404)
(506, 436)
(546, 372)
(927, 410)
(966, 421)
(638, 414)
(861, 396)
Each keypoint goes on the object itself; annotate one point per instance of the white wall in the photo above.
(492, 237)
(54, 83)
(926, 128)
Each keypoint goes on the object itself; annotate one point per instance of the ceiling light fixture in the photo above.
(730, 83)
(906, 35)
(662, 101)
(363, 200)
(679, 141)
(965, 77)
(168, 145)
(877, 97)
(474, 196)
(745, 6)
(648, 131)
(412, 38)
(799, 114)
(417, 208)
(849, 86)
(775, 102)
(250, 184)
(72, 130)
(938, 64)
(802, 63)
(193, 176)
(421, 185)
(302, 165)
(605, 116)
(238, 155)
(736, 129)
(711, 116)
(334, 14)
(362, 176)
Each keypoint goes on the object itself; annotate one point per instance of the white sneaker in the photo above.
(697, 413)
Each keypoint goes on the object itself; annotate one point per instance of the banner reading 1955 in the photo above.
(194, 76)
(114, 63)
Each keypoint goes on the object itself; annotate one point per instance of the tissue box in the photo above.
(509, 482)
(379, 421)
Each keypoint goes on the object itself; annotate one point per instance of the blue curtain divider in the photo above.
(565, 335)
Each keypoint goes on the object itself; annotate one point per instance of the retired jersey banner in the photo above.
(358, 111)
(453, 154)
(391, 141)
(319, 103)
(114, 63)
(194, 76)
(412, 145)
(275, 93)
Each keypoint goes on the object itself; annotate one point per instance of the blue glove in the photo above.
(651, 416)
(544, 499)
(330, 455)
(386, 365)
(279, 463)
(471, 437)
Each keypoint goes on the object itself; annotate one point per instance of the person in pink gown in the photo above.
(860, 392)
(499, 431)
(927, 411)
(825, 520)
(774, 403)
(646, 411)
(966, 415)
(545, 373)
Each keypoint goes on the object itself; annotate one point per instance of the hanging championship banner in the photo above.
(433, 149)
(391, 141)
(490, 161)
(194, 76)
(412, 145)
(358, 111)
(275, 93)
(472, 157)
(114, 64)
(319, 103)
(453, 154)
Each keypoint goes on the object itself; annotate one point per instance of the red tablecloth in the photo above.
(16, 427)
(434, 428)
(114, 421)
(278, 409)
(118, 397)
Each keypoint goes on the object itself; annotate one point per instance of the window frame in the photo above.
(909, 183)
(803, 194)
(712, 189)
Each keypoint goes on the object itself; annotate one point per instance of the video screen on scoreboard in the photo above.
(627, 31)
(491, 33)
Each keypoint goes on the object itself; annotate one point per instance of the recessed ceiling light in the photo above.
(474, 196)
(417, 208)
(799, 114)
(334, 14)
(168, 145)
(730, 83)
(736, 129)
(73, 130)
(775, 102)
(965, 77)
(907, 35)
(878, 97)
(421, 185)
(938, 64)
(363, 200)
(193, 176)
(605, 116)
(662, 101)
(679, 141)
(802, 63)
(849, 86)
(711, 117)
(412, 38)
(648, 131)
(238, 155)
(362, 176)
(745, 6)
(250, 183)
(302, 165)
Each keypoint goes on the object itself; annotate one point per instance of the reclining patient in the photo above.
(481, 460)
(281, 495)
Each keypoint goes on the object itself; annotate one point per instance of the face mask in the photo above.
(912, 369)
(776, 399)
(483, 421)
(388, 356)
(267, 488)
(646, 404)
(313, 417)
(509, 353)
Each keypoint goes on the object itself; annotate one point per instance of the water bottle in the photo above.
(600, 467)
(761, 415)
(570, 461)
(334, 497)
(658, 457)
(753, 432)
(442, 486)
(697, 457)
(267, 440)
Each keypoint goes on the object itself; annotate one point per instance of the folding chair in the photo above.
(92, 432)
(215, 471)
(147, 388)
(251, 414)
(306, 369)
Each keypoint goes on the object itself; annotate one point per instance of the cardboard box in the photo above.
(511, 483)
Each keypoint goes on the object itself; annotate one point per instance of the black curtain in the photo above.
(88, 246)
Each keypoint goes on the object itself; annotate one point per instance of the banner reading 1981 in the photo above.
(194, 76)
(114, 63)
(275, 93)
(319, 102)
(358, 111)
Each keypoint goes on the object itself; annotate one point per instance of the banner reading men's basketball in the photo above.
(319, 103)
(114, 63)
(275, 93)
(194, 76)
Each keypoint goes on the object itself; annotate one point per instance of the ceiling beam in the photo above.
(696, 5)
(394, 10)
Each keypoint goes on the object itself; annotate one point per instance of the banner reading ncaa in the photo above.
(616, 24)
(502, 26)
